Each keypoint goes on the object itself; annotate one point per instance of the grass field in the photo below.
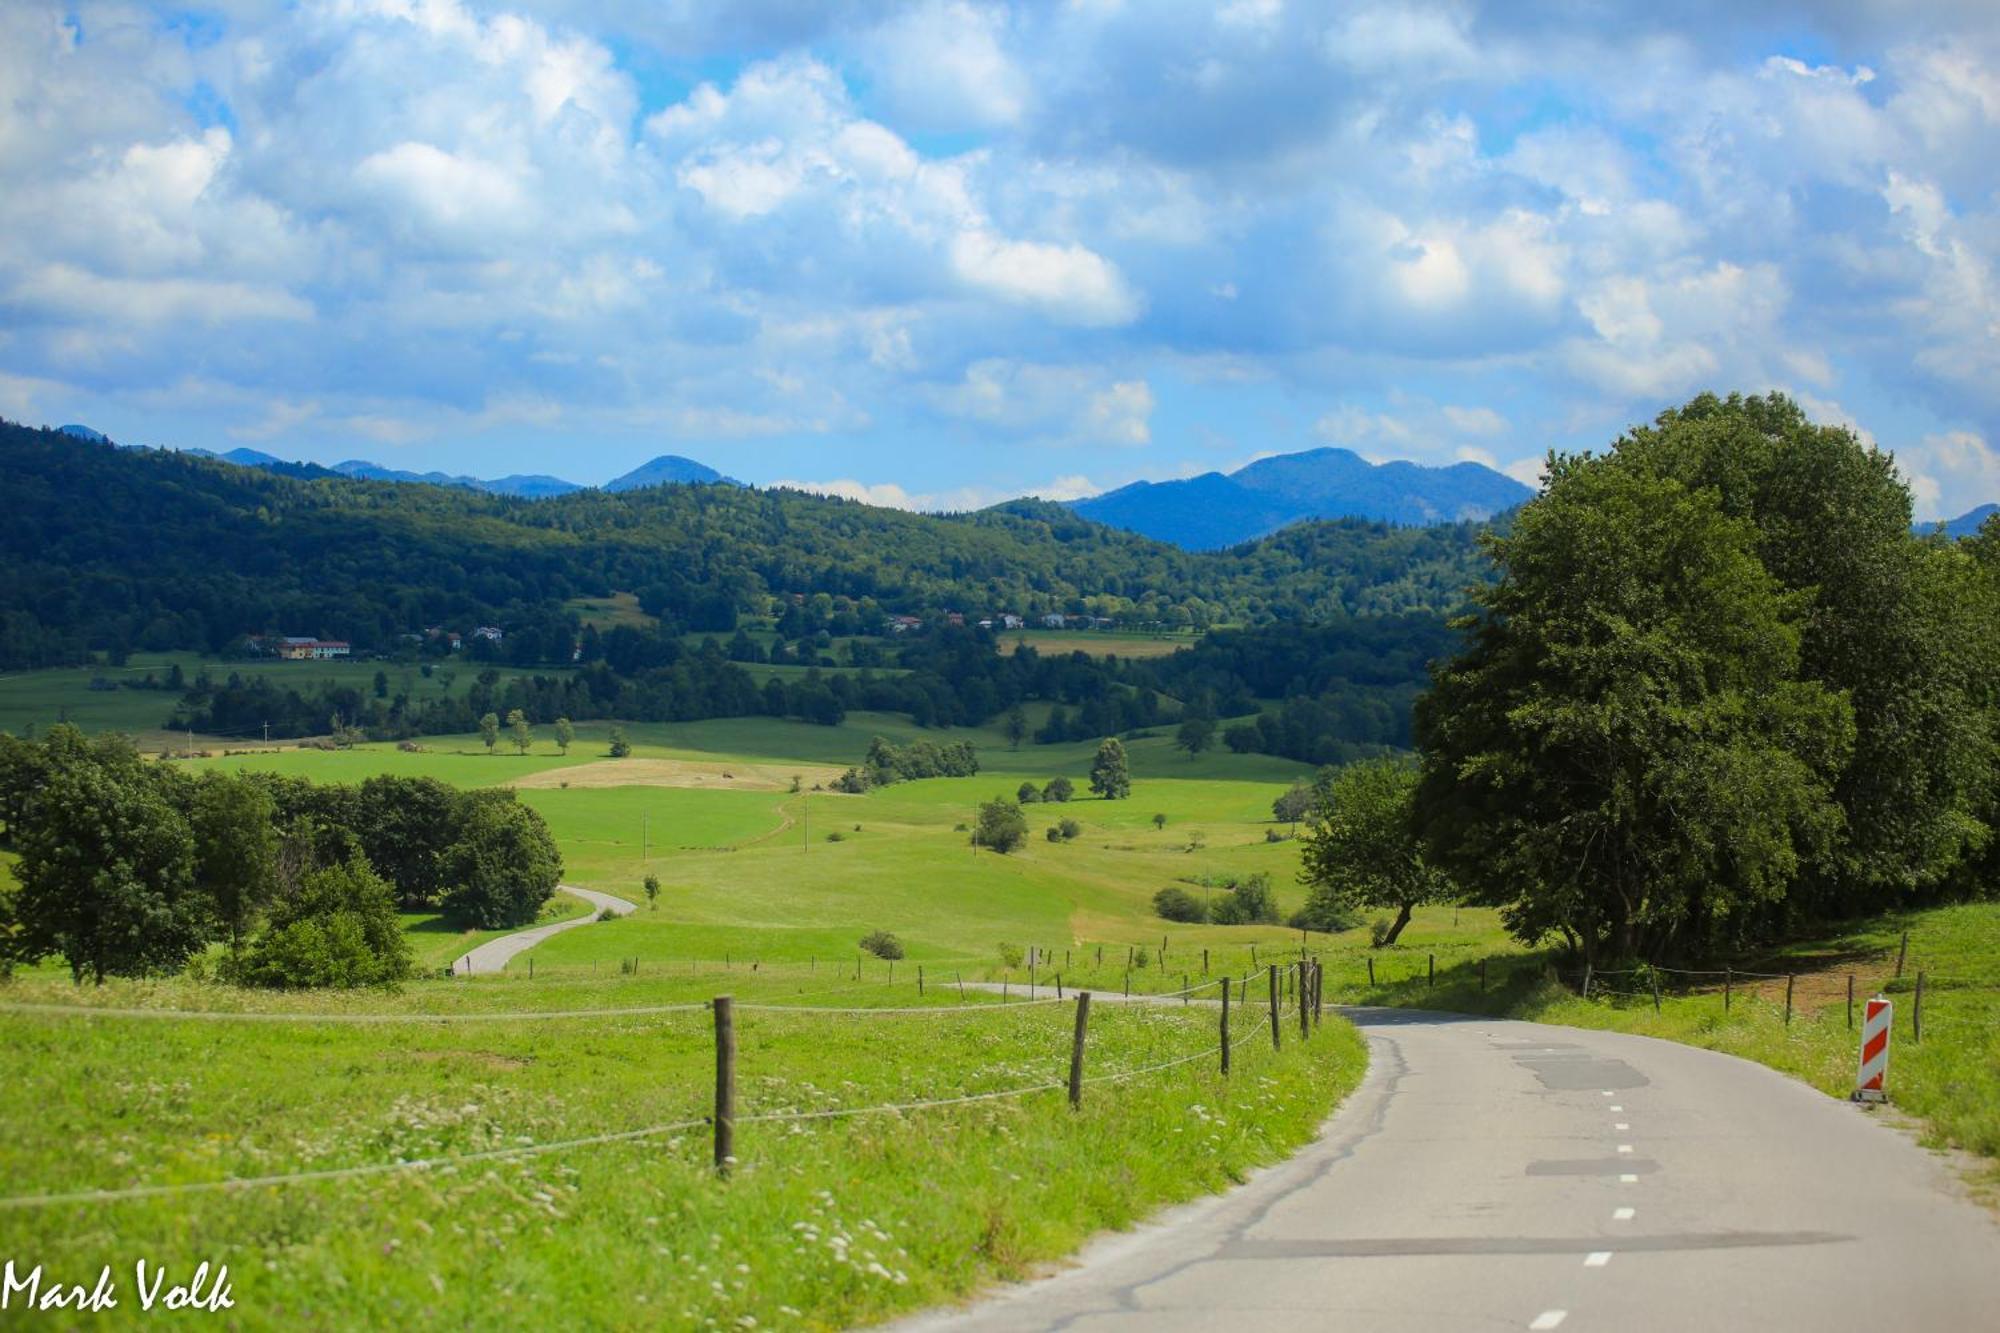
(1097, 643)
(39, 699)
(826, 1221)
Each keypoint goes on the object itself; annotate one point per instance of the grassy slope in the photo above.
(825, 1223)
(604, 1235)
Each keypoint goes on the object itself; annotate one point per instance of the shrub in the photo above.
(1028, 793)
(1378, 931)
(1179, 905)
(1058, 789)
(339, 929)
(1320, 913)
(882, 944)
(1141, 958)
(1010, 956)
(836, 836)
(653, 892)
(607, 914)
(1001, 826)
(1159, 821)
(1069, 828)
(1272, 835)
(855, 782)
(620, 747)
(1055, 834)
(1249, 902)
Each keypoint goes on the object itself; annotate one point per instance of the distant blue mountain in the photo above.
(1212, 510)
(666, 470)
(533, 487)
(1968, 523)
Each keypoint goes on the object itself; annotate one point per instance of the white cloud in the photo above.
(1951, 472)
(1068, 282)
(1053, 404)
(942, 65)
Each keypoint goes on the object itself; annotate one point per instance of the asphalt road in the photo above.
(492, 956)
(1497, 1175)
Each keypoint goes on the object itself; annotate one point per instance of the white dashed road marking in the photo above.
(1624, 1215)
(1628, 1179)
(1621, 1125)
(1548, 1319)
(1597, 1259)
(1624, 1147)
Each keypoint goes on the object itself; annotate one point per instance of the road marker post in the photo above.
(1871, 1079)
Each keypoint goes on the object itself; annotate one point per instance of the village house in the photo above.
(294, 648)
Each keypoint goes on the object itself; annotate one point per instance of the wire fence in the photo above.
(1245, 1025)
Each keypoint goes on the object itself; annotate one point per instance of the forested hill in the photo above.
(107, 548)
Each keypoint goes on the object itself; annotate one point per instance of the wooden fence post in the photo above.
(1274, 1006)
(920, 981)
(1902, 950)
(1432, 978)
(1586, 981)
(1128, 983)
(1076, 1051)
(1253, 955)
(1729, 984)
(1187, 996)
(1917, 1011)
(961, 985)
(1656, 992)
(1850, 1002)
(1788, 998)
(725, 1083)
(1225, 1025)
(1371, 969)
(1305, 1007)
(1319, 993)
(531, 967)
(1059, 993)
(1204, 962)
(1100, 955)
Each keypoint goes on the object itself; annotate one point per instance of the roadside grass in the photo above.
(825, 1223)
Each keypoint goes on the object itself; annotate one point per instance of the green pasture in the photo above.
(40, 699)
(824, 1223)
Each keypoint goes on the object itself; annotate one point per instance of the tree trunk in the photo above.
(1402, 919)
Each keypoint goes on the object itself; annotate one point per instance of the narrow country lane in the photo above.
(492, 956)
(1504, 1175)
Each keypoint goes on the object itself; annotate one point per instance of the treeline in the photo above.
(1719, 689)
(886, 763)
(133, 868)
(179, 552)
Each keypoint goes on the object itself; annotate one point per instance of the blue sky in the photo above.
(943, 253)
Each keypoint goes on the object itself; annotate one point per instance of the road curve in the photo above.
(492, 956)
(1503, 1175)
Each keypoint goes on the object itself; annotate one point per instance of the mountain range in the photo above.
(1214, 510)
(665, 470)
(1208, 512)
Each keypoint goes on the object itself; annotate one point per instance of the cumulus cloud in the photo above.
(1004, 224)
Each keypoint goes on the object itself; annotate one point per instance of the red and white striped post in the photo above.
(1871, 1082)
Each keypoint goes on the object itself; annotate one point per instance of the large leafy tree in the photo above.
(236, 849)
(1883, 617)
(107, 869)
(505, 864)
(1110, 772)
(338, 929)
(1361, 847)
(1625, 754)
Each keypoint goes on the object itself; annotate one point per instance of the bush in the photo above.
(1378, 931)
(1011, 956)
(1141, 958)
(620, 747)
(1321, 913)
(339, 929)
(1001, 826)
(1069, 828)
(1058, 789)
(855, 782)
(1028, 793)
(1055, 834)
(836, 836)
(882, 944)
(1179, 905)
(1272, 835)
(1249, 902)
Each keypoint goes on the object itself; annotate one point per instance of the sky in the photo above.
(940, 254)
